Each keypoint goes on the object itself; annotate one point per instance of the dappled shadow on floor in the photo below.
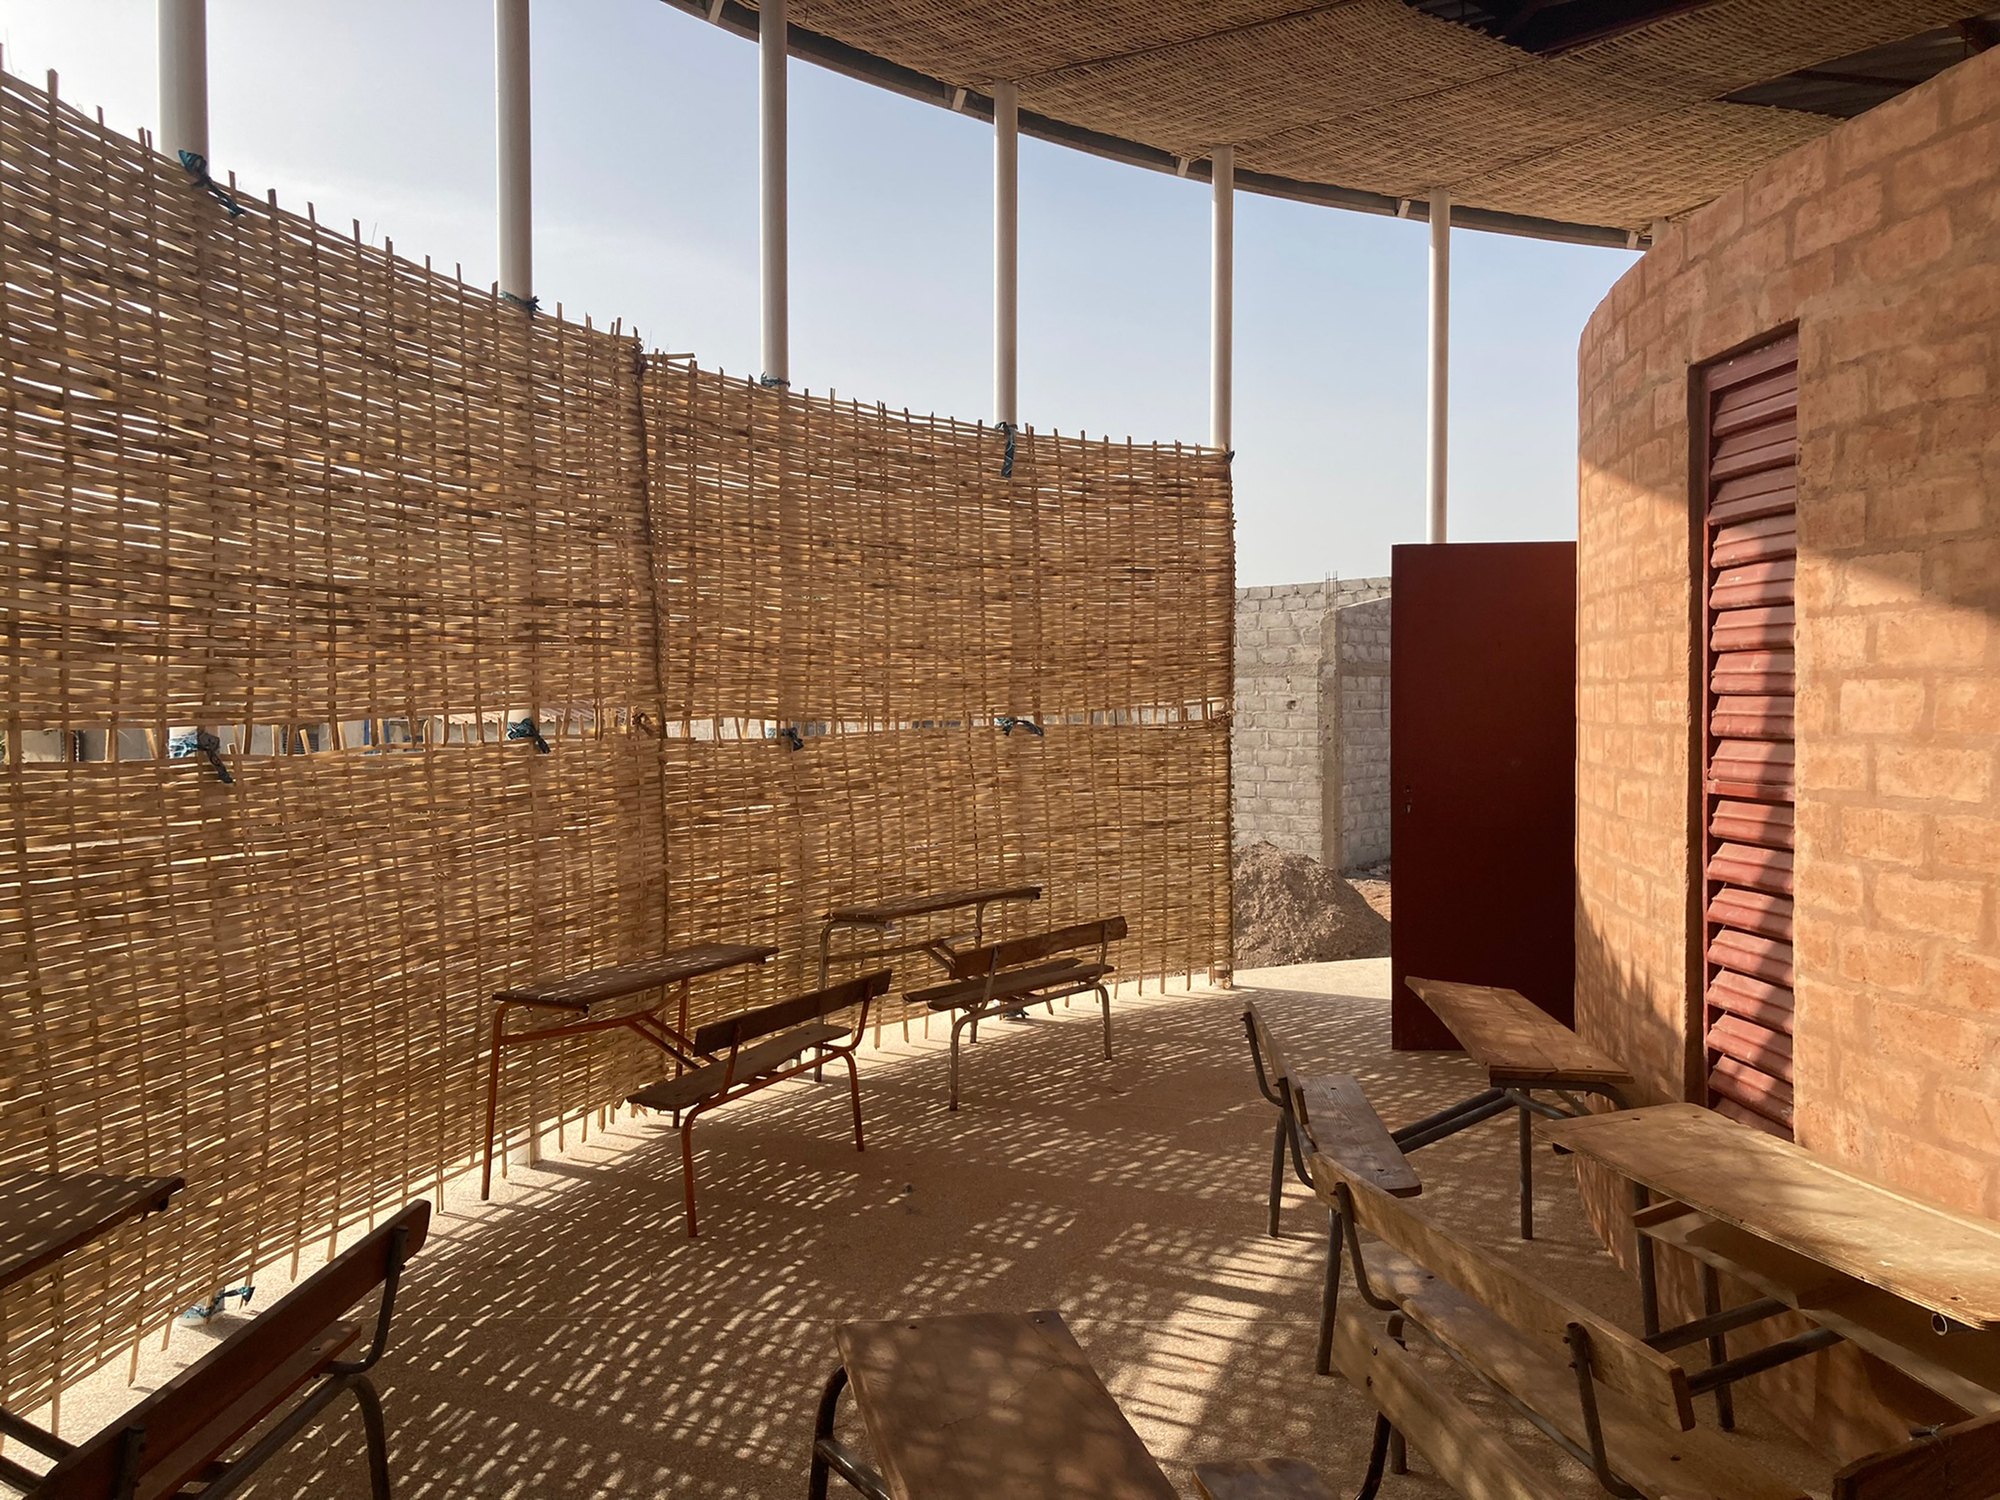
(568, 1340)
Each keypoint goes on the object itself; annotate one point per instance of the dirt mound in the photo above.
(1291, 909)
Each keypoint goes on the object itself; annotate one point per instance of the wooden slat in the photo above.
(1513, 1039)
(1771, 446)
(1940, 1260)
(882, 913)
(1768, 870)
(1762, 540)
(976, 1405)
(1759, 957)
(1622, 1362)
(1735, 501)
(1761, 1047)
(1467, 1454)
(1767, 628)
(1766, 823)
(1753, 1089)
(1754, 585)
(1747, 718)
(1752, 911)
(1753, 365)
(1341, 1123)
(1767, 1004)
(1963, 1368)
(581, 991)
(1753, 672)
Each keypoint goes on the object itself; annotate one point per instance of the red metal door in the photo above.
(1482, 760)
(1747, 545)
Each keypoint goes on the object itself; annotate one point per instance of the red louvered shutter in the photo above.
(1749, 545)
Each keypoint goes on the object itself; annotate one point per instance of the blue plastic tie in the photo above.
(196, 166)
(527, 729)
(1008, 724)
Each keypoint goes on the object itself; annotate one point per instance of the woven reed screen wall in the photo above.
(354, 519)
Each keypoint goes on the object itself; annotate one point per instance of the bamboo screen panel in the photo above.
(359, 523)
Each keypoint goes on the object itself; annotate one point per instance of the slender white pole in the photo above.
(1222, 303)
(184, 77)
(1440, 383)
(517, 239)
(771, 37)
(1006, 253)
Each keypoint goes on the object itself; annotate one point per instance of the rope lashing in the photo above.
(196, 166)
(791, 736)
(1007, 463)
(528, 729)
(530, 305)
(1008, 724)
(208, 746)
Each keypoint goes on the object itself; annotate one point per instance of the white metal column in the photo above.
(517, 218)
(1222, 304)
(1006, 253)
(184, 77)
(1440, 371)
(771, 36)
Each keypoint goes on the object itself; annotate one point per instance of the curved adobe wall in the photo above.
(1882, 243)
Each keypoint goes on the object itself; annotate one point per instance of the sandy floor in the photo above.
(567, 1340)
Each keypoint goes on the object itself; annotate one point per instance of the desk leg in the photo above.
(1527, 1173)
(492, 1104)
(1649, 1291)
(1718, 1347)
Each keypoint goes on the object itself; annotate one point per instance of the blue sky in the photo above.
(646, 209)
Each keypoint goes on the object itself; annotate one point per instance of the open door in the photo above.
(1482, 761)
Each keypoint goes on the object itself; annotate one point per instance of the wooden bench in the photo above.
(177, 1436)
(1619, 1405)
(1325, 1113)
(756, 1048)
(1010, 976)
(1522, 1049)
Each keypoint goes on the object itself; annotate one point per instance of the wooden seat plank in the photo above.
(1516, 1042)
(1962, 1368)
(45, 1215)
(882, 913)
(1340, 1122)
(975, 1405)
(701, 1083)
(581, 991)
(1261, 1479)
(1466, 1453)
(1010, 984)
(1942, 1261)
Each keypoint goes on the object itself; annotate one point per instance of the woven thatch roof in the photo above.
(1377, 97)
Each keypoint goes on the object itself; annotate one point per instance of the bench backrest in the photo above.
(225, 1382)
(1619, 1359)
(747, 1026)
(994, 957)
(1269, 1055)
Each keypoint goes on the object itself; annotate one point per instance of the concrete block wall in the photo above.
(1298, 782)
(1361, 731)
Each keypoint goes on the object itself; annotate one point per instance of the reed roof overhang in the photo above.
(1583, 120)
